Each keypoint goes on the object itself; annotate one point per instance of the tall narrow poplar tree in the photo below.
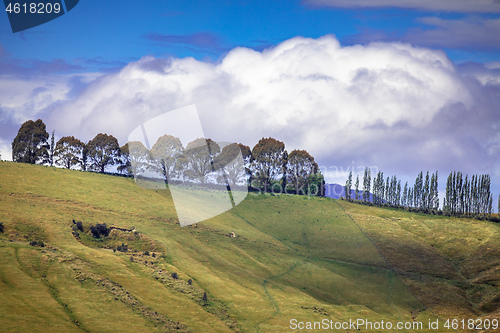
(357, 187)
(348, 186)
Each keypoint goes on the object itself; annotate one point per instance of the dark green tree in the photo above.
(356, 191)
(270, 160)
(404, 201)
(418, 191)
(426, 192)
(397, 201)
(30, 144)
(367, 179)
(348, 186)
(410, 197)
(498, 211)
(52, 149)
(84, 161)
(104, 151)
(300, 167)
(315, 185)
(68, 152)
(379, 188)
(387, 191)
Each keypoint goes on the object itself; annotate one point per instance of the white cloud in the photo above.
(467, 33)
(23, 98)
(389, 105)
(5, 150)
(475, 6)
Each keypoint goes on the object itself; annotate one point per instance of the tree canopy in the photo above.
(164, 154)
(266, 167)
(30, 144)
(68, 152)
(301, 165)
(138, 156)
(200, 155)
(103, 151)
(269, 161)
(232, 164)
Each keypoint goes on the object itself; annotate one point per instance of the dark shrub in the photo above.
(175, 276)
(190, 282)
(99, 230)
(494, 219)
(79, 225)
(205, 298)
(146, 253)
(37, 243)
(154, 255)
(1, 227)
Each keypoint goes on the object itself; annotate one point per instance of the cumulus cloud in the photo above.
(5, 150)
(476, 6)
(391, 105)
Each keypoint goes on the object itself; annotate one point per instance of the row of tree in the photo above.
(266, 167)
(469, 196)
(31, 146)
(463, 196)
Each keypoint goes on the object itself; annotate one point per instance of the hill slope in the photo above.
(293, 257)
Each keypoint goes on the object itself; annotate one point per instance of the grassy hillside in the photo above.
(293, 257)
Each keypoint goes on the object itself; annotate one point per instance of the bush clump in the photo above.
(122, 248)
(175, 276)
(494, 219)
(79, 225)
(1, 227)
(37, 243)
(99, 230)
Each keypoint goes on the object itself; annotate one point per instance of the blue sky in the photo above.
(106, 34)
(401, 85)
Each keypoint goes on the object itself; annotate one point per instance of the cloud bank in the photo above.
(391, 105)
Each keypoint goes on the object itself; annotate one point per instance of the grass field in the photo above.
(293, 257)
